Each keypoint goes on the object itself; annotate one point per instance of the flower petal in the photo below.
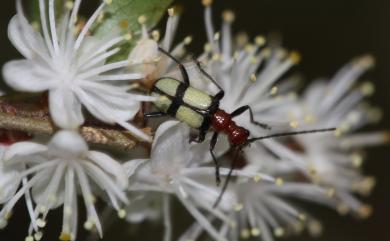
(23, 75)
(65, 109)
(111, 166)
(23, 149)
(171, 146)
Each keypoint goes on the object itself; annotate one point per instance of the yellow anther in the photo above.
(255, 232)
(38, 236)
(279, 181)
(29, 238)
(217, 36)
(257, 178)
(245, 233)
(156, 35)
(207, 3)
(260, 40)
(357, 160)
(122, 213)
(274, 90)
(171, 12)
(41, 223)
(88, 225)
(330, 192)
(294, 124)
(52, 198)
(295, 57)
(216, 57)
(65, 237)
(108, 2)
(69, 5)
(238, 207)
(123, 24)
(302, 217)
(253, 77)
(315, 228)
(365, 211)
(309, 119)
(128, 36)
(337, 132)
(188, 40)
(249, 48)
(242, 39)
(342, 209)
(228, 16)
(367, 61)
(367, 88)
(279, 232)
(142, 19)
(207, 48)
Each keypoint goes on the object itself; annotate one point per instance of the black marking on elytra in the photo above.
(177, 101)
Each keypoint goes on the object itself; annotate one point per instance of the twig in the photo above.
(17, 118)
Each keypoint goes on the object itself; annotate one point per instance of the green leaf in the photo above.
(125, 13)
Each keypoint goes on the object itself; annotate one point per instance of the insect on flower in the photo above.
(201, 111)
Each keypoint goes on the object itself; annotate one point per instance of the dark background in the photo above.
(328, 33)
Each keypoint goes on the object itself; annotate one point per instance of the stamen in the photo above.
(274, 90)
(279, 232)
(29, 238)
(142, 19)
(342, 209)
(41, 223)
(260, 40)
(228, 16)
(357, 160)
(171, 12)
(315, 228)
(69, 5)
(294, 124)
(367, 88)
(330, 192)
(245, 233)
(108, 2)
(122, 213)
(207, 3)
(255, 232)
(156, 35)
(238, 207)
(65, 237)
(295, 57)
(188, 40)
(38, 236)
(279, 181)
(365, 211)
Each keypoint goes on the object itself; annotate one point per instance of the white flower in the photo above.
(265, 210)
(332, 160)
(73, 68)
(175, 168)
(56, 172)
(248, 73)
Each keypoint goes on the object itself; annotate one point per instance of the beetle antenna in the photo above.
(290, 134)
(228, 177)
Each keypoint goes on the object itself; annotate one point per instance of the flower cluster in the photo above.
(72, 65)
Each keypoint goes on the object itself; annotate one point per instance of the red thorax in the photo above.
(222, 122)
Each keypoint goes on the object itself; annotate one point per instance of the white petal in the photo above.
(65, 109)
(23, 75)
(132, 166)
(9, 182)
(171, 146)
(68, 144)
(23, 149)
(110, 166)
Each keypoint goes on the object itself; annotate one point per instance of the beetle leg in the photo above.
(155, 114)
(183, 70)
(244, 108)
(214, 140)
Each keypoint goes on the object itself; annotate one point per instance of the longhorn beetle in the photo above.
(201, 111)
